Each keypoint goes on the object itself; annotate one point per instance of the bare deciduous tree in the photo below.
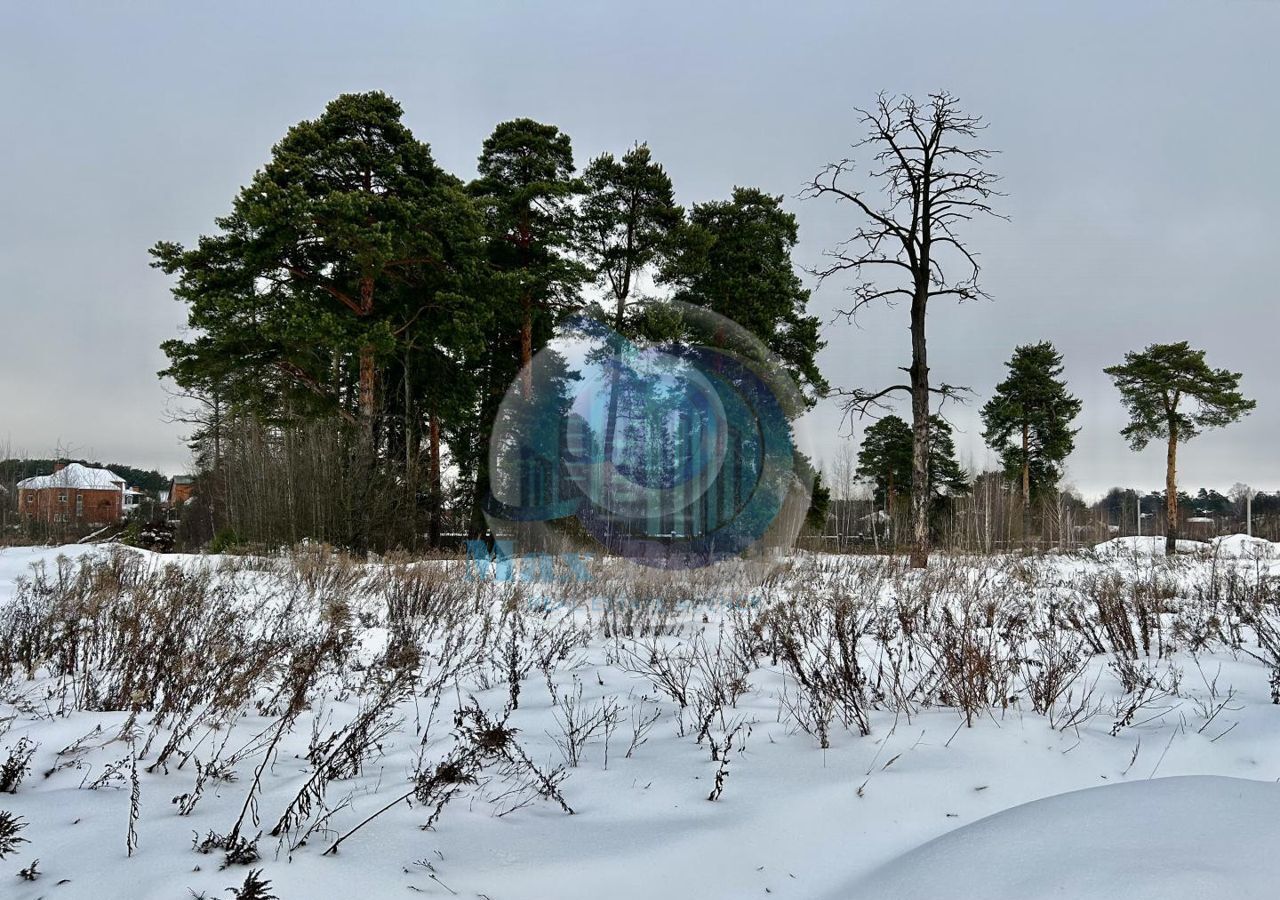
(932, 183)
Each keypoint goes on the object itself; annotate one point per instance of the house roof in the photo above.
(75, 475)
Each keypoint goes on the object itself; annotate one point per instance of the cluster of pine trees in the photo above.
(1027, 422)
(1171, 394)
(358, 314)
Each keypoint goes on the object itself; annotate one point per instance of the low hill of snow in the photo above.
(1152, 545)
(1166, 839)
(1241, 546)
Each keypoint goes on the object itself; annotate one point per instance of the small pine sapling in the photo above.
(10, 825)
(255, 887)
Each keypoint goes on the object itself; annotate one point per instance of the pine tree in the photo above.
(735, 259)
(885, 459)
(1028, 422)
(1155, 386)
(343, 283)
(931, 184)
(625, 225)
(626, 222)
(526, 186)
(946, 476)
(304, 276)
(526, 189)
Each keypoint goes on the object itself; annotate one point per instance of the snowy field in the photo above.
(820, 728)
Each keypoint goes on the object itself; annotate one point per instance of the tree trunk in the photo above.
(611, 428)
(367, 362)
(889, 498)
(368, 377)
(525, 241)
(920, 432)
(433, 475)
(368, 423)
(1171, 494)
(1026, 488)
(526, 347)
(615, 348)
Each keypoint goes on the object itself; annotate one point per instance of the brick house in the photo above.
(73, 495)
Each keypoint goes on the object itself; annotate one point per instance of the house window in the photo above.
(62, 498)
(31, 499)
(79, 505)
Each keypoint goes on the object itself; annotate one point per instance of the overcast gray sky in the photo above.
(1138, 150)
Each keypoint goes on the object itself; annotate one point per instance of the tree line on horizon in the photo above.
(358, 315)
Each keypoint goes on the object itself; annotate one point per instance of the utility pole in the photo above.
(1248, 512)
(1139, 499)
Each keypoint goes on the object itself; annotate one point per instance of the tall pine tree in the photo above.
(930, 183)
(1156, 387)
(342, 284)
(526, 186)
(302, 289)
(626, 223)
(625, 226)
(1028, 422)
(734, 258)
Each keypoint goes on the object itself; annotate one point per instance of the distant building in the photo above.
(133, 499)
(73, 494)
(1201, 527)
(181, 490)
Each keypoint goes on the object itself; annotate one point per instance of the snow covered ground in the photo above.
(330, 702)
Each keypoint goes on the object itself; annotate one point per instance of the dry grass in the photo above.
(187, 651)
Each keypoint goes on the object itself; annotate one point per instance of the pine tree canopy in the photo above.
(1156, 384)
(735, 259)
(526, 188)
(1032, 403)
(625, 223)
(885, 457)
(347, 244)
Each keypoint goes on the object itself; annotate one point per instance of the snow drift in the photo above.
(1144, 546)
(1241, 546)
(1167, 839)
